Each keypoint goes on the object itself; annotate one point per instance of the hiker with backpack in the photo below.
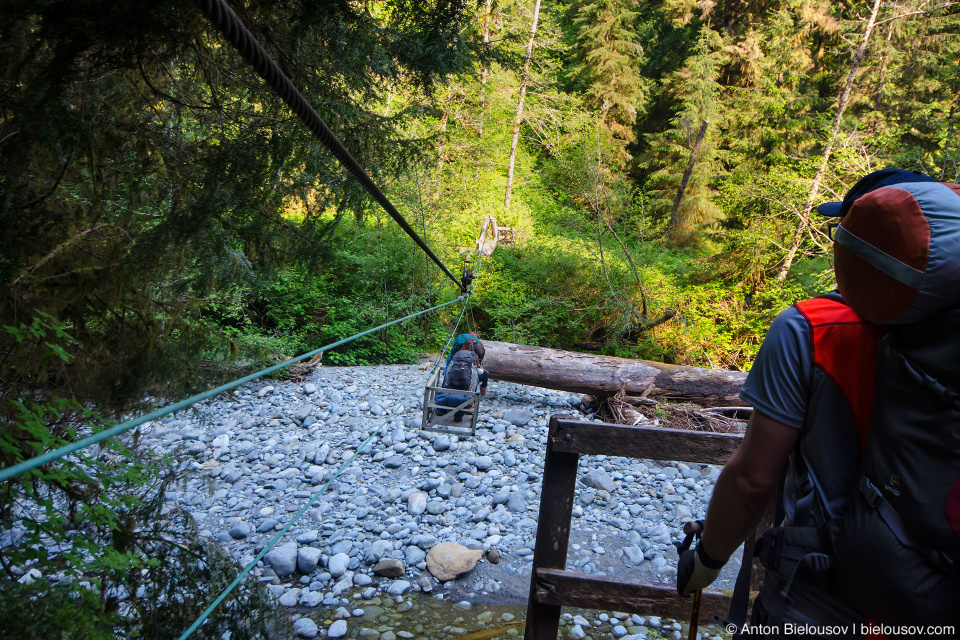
(469, 342)
(463, 373)
(856, 421)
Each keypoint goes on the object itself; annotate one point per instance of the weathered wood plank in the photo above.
(597, 375)
(654, 443)
(553, 535)
(571, 589)
(551, 587)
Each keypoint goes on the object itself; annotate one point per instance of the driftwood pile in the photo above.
(300, 371)
(623, 409)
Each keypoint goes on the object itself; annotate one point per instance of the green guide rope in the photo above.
(56, 454)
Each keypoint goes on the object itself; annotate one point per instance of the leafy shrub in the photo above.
(374, 276)
(88, 548)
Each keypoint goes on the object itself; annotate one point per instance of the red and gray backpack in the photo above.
(897, 549)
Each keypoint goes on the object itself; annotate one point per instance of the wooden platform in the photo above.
(492, 235)
(551, 585)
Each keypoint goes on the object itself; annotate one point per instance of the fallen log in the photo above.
(605, 375)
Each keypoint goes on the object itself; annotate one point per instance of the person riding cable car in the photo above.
(463, 373)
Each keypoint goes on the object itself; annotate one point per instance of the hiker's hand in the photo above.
(692, 574)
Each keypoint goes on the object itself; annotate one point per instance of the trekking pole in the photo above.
(695, 615)
(698, 594)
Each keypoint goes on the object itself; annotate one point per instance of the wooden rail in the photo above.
(551, 586)
(582, 590)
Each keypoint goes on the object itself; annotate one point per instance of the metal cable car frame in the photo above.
(445, 423)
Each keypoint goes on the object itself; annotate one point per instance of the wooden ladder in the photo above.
(551, 585)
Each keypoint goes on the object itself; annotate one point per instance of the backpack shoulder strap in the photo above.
(845, 346)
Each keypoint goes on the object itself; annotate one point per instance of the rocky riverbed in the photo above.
(255, 457)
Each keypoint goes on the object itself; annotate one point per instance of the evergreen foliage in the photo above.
(168, 223)
(100, 553)
(696, 93)
(148, 177)
(609, 60)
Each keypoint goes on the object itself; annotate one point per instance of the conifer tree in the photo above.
(144, 167)
(910, 83)
(774, 73)
(145, 171)
(608, 63)
(696, 90)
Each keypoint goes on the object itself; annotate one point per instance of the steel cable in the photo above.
(224, 19)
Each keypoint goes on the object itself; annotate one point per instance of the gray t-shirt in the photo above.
(778, 385)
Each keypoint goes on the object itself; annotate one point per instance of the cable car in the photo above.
(441, 418)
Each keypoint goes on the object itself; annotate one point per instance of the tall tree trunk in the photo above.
(946, 142)
(483, 83)
(828, 149)
(442, 140)
(523, 92)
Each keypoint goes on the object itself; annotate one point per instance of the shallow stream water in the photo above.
(428, 617)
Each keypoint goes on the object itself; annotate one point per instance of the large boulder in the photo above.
(338, 565)
(240, 529)
(516, 502)
(518, 417)
(398, 587)
(377, 550)
(599, 479)
(389, 568)
(448, 560)
(306, 628)
(338, 629)
(282, 559)
(416, 503)
(414, 555)
(307, 559)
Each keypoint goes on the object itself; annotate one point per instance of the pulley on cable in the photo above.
(467, 279)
